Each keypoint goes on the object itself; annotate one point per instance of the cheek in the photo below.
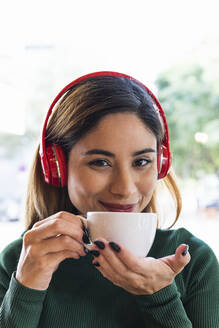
(85, 183)
(147, 189)
(148, 184)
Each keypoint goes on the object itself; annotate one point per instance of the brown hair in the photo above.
(77, 113)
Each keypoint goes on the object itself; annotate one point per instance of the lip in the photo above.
(118, 207)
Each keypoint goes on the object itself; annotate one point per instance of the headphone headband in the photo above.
(165, 142)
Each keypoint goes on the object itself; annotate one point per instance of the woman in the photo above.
(104, 148)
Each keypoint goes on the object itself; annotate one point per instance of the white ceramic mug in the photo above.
(135, 231)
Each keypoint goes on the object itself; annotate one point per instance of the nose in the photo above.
(123, 183)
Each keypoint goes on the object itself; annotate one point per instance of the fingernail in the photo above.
(85, 239)
(86, 231)
(99, 244)
(114, 246)
(95, 253)
(185, 251)
(96, 264)
(86, 250)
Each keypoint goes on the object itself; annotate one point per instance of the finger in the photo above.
(86, 237)
(110, 258)
(83, 221)
(103, 266)
(52, 228)
(107, 270)
(112, 268)
(179, 260)
(54, 259)
(121, 259)
(64, 216)
(60, 243)
(118, 263)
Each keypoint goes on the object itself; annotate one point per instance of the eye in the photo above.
(99, 163)
(141, 162)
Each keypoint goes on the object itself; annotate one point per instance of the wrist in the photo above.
(162, 296)
(31, 283)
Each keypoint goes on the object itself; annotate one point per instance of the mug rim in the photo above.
(121, 213)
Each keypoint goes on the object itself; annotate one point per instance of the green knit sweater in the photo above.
(79, 296)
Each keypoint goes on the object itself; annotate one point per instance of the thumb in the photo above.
(179, 260)
(83, 221)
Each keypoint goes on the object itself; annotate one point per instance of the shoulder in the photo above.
(168, 240)
(203, 259)
(200, 277)
(197, 247)
(10, 255)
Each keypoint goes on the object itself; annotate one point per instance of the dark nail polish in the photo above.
(95, 253)
(99, 244)
(96, 264)
(185, 251)
(86, 231)
(114, 246)
(85, 239)
(86, 250)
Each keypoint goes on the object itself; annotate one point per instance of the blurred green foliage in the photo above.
(191, 103)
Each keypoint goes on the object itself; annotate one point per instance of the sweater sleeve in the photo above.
(164, 308)
(192, 300)
(21, 307)
(201, 280)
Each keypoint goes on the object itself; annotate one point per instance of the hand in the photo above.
(139, 276)
(48, 243)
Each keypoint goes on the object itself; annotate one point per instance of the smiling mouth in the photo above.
(119, 207)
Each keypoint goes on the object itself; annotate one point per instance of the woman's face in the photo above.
(113, 167)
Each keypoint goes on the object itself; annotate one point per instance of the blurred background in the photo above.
(171, 46)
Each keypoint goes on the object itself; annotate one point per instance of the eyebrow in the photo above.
(107, 153)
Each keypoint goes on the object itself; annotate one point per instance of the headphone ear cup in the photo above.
(163, 161)
(57, 165)
(159, 159)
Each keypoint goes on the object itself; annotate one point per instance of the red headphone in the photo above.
(53, 158)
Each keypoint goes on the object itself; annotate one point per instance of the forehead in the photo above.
(120, 129)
